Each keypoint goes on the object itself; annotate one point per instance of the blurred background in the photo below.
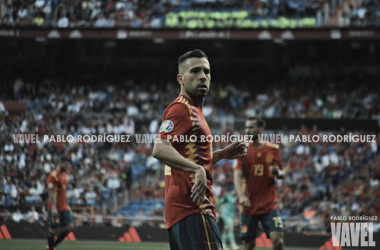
(308, 67)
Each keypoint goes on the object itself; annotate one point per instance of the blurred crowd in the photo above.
(176, 13)
(118, 183)
(306, 92)
(123, 179)
(362, 13)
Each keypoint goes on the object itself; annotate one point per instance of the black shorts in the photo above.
(271, 222)
(195, 232)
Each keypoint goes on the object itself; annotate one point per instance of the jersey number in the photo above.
(259, 169)
(277, 221)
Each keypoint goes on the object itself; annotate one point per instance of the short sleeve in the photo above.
(238, 164)
(175, 122)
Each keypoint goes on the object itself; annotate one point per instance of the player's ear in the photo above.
(179, 79)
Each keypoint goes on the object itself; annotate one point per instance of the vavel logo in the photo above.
(352, 234)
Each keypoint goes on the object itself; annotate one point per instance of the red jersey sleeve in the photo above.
(52, 180)
(238, 164)
(175, 122)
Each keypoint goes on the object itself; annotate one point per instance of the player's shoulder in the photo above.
(53, 174)
(180, 105)
(272, 145)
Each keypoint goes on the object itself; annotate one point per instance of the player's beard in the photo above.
(255, 137)
(196, 94)
(201, 93)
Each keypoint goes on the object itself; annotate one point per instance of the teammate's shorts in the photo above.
(64, 219)
(195, 232)
(271, 222)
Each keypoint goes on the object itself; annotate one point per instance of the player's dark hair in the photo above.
(190, 54)
(64, 159)
(260, 122)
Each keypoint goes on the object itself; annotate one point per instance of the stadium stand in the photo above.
(123, 179)
(190, 14)
(77, 86)
(314, 92)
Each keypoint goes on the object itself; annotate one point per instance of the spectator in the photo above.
(91, 197)
(17, 216)
(113, 184)
(139, 219)
(32, 215)
(63, 22)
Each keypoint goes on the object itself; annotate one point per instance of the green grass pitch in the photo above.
(94, 245)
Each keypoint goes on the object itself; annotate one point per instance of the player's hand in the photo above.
(274, 169)
(200, 186)
(244, 202)
(235, 150)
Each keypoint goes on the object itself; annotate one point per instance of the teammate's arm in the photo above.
(238, 180)
(53, 202)
(52, 185)
(167, 154)
(276, 169)
(232, 151)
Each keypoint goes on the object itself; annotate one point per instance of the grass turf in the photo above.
(94, 245)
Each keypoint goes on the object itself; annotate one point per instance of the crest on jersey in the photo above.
(269, 158)
(167, 126)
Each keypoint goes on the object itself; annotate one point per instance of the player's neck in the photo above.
(197, 101)
(257, 144)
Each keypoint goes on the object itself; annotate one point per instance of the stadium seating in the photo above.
(184, 14)
(317, 172)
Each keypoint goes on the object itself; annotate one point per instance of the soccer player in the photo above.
(59, 212)
(184, 145)
(227, 204)
(254, 178)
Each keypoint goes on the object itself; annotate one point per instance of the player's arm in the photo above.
(53, 200)
(52, 197)
(238, 181)
(276, 169)
(167, 154)
(232, 151)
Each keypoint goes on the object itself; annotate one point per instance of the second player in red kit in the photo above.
(254, 178)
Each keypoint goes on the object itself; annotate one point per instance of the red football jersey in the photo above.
(182, 119)
(258, 182)
(57, 182)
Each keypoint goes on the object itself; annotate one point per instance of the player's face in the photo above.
(195, 76)
(251, 128)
